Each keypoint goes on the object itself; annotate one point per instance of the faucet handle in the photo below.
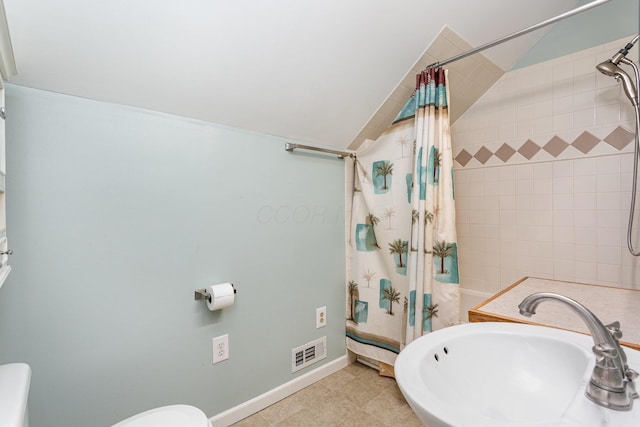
(605, 350)
(631, 374)
(614, 329)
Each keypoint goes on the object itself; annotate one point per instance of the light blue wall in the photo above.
(116, 215)
(611, 21)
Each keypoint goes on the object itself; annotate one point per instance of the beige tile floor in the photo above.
(353, 396)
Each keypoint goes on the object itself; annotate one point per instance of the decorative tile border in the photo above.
(619, 138)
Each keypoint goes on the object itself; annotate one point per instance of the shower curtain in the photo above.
(402, 255)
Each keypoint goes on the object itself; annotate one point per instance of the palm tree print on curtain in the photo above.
(368, 276)
(399, 248)
(382, 171)
(445, 258)
(392, 295)
(429, 311)
(389, 213)
(353, 295)
(383, 302)
(409, 181)
(433, 168)
(410, 288)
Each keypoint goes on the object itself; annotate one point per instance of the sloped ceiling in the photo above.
(315, 71)
(470, 77)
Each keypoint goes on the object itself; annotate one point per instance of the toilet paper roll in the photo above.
(221, 296)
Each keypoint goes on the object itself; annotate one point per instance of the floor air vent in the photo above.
(309, 353)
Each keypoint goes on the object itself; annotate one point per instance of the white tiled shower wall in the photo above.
(561, 216)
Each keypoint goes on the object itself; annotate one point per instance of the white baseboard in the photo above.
(258, 403)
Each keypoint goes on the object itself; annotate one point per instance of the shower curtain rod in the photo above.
(289, 146)
(520, 33)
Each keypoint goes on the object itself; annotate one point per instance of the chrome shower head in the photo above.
(610, 69)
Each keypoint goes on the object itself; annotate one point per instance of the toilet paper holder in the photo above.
(204, 293)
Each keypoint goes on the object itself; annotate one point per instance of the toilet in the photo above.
(168, 416)
(15, 381)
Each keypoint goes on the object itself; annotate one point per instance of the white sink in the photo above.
(505, 374)
(15, 379)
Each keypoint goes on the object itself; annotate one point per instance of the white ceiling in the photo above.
(312, 70)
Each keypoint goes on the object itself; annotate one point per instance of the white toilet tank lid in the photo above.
(168, 416)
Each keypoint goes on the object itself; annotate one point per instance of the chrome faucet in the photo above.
(611, 382)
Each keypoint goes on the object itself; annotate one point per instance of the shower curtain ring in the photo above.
(434, 65)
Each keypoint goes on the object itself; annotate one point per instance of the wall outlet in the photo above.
(220, 348)
(321, 317)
